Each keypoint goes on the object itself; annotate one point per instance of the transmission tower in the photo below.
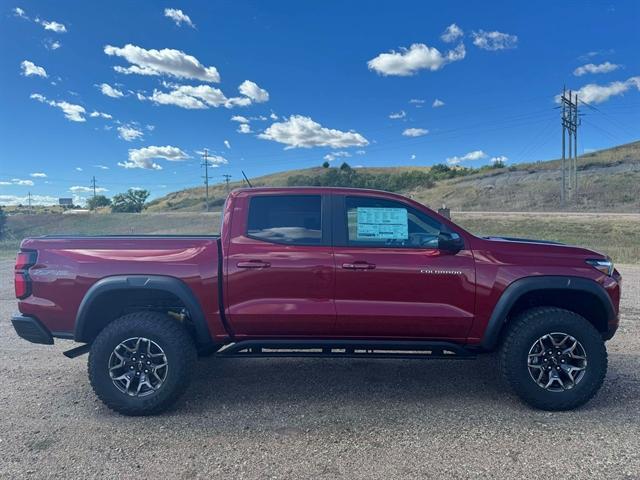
(93, 184)
(227, 178)
(205, 164)
(570, 123)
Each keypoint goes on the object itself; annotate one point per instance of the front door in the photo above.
(280, 269)
(391, 278)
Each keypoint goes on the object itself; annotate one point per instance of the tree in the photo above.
(325, 165)
(3, 223)
(345, 166)
(98, 201)
(132, 201)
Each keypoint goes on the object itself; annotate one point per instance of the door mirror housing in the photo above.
(450, 242)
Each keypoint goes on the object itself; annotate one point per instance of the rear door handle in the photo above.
(359, 266)
(253, 264)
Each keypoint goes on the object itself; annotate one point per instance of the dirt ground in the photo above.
(310, 418)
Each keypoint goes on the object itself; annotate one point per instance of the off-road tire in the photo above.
(167, 333)
(531, 325)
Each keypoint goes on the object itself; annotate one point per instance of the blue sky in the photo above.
(131, 91)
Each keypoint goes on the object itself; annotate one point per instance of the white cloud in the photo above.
(413, 156)
(214, 160)
(273, 116)
(205, 96)
(594, 93)
(605, 67)
(97, 114)
(494, 40)
(398, 115)
(35, 200)
(19, 182)
(415, 132)
(167, 61)
(38, 175)
(52, 26)
(360, 152)
(452, 33)
(143, 157)
(18, 12)
(72, 112)
(474, 155)
(178, 16)
(101, 167)
(79, 169)
(239, 119)
(190, 97)
(52, 44)
(417, 57)
(416, 101)
(244, 128)
(110, 91)
(227, 144)
(437, 103)
(30, 69)
(499, 159)
(81, 189)
(253, 91)
(299, 131)
(330, 157)
(129, 133)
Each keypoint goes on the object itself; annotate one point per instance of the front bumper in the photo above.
(31, 329)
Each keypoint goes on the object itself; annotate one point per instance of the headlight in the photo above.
(605, 266)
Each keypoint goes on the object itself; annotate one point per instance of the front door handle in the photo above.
(253, 264)
(359, 266)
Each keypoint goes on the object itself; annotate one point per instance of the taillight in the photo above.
(25, 260)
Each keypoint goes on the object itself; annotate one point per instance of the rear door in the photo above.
(391, 278)
(280, 268)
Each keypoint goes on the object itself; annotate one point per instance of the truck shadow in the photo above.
(346, 383)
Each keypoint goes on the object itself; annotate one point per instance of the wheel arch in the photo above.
(580, 295)
(122, 286)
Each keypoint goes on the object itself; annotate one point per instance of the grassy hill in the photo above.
(609, 180)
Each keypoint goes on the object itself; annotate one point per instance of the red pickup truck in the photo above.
(331, 272)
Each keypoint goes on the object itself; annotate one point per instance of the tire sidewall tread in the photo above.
(532, 324)
(172, 337)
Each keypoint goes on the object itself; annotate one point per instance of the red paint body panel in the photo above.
(304, 291)
(67, 267)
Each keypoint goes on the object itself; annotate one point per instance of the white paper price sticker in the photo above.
(382, 224)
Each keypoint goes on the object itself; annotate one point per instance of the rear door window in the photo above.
(288, 219)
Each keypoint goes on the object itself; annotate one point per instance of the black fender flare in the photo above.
(525, 285)
(168, 284)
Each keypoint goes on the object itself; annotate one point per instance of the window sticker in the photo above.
(382, 224)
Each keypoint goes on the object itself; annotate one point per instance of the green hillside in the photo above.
(609, 180)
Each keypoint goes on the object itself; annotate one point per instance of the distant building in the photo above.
(65, 202)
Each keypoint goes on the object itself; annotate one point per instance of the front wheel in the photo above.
(554, 359)
(141, 363)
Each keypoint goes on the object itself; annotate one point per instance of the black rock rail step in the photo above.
(345, 349)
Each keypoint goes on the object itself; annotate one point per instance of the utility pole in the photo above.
(205, 163)
(93, 184)
(29, 197)
(227, 178)
(570, 123)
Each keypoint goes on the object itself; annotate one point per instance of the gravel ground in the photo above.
(303, 418)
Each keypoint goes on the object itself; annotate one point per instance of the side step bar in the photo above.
(344, 349)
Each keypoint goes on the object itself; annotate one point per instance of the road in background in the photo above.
(310, 418)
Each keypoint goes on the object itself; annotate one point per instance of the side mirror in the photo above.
(450, 242)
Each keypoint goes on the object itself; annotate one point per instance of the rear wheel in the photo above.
(141, 363)
(554, 359)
